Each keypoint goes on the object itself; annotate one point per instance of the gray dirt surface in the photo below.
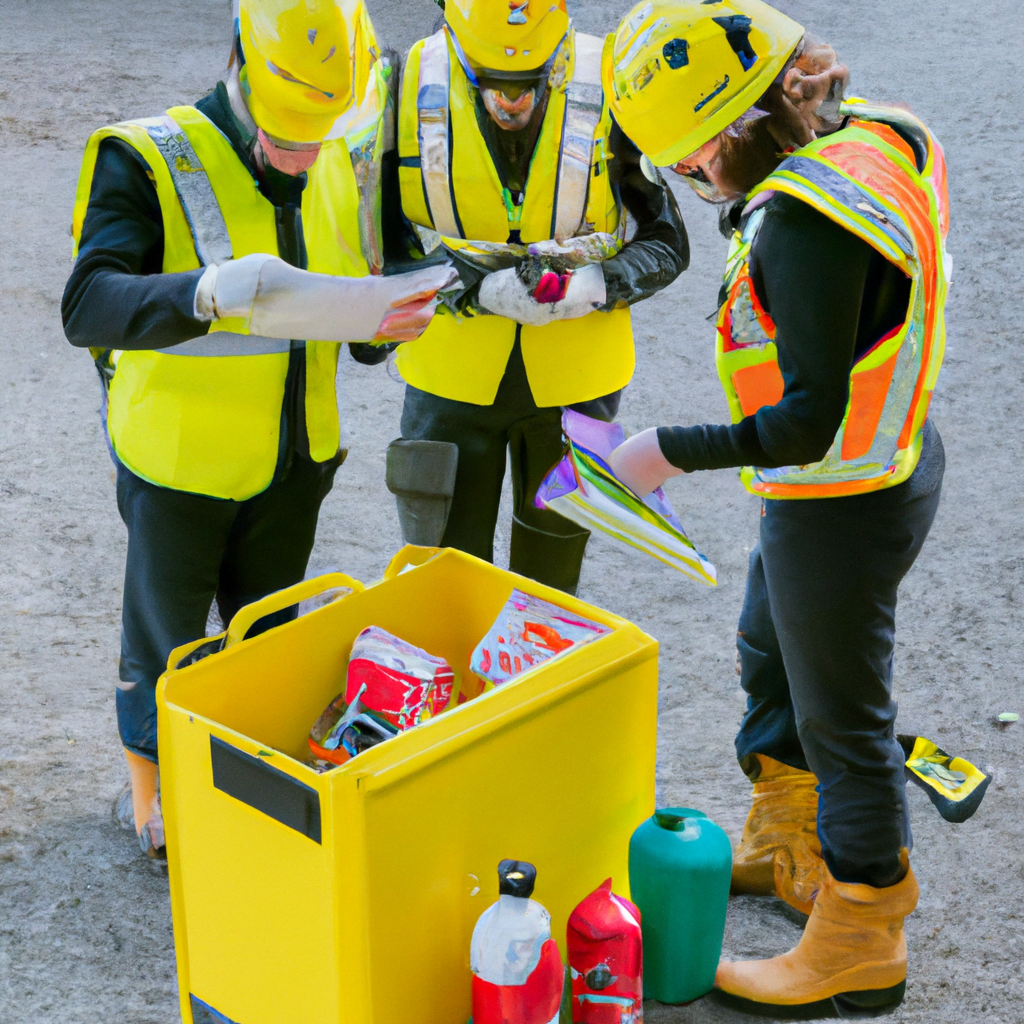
(85, 928)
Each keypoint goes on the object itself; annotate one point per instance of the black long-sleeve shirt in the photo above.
(659, 250)
(831, 296)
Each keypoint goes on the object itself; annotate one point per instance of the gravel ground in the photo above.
(85, 929)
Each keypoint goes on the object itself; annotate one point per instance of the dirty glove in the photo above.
(556, 297)
(277, 300)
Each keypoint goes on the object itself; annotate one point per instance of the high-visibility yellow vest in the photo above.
(892, 193)
(205, 416)
(450, 185)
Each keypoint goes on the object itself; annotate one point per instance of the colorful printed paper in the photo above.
(583, 488)
(527, 633)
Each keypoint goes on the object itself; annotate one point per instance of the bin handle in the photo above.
(410, 555)
(245, 618)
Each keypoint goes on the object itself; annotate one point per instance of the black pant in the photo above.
(187, 550)
(545, 546)
(816, 639)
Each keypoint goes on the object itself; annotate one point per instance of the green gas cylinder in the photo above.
(680, 865)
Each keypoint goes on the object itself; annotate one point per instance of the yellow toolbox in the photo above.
(349, 897)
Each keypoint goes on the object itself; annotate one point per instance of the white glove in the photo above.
(278, 300)
(640, 464)
(503, 294)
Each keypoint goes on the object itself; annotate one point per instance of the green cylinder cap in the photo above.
(674, 818)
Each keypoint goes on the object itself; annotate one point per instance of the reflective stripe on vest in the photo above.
(209, 236)
(211, 425)
(450, 184)
(865, 179)
(191, 182)
(432, 102)
(583, 105)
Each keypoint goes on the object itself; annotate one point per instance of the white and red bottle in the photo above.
(517, 969)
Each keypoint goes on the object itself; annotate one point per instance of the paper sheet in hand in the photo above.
(583, 488)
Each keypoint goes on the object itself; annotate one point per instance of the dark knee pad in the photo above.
(554, 559)
(421, 476)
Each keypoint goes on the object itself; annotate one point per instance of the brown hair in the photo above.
(748, 155)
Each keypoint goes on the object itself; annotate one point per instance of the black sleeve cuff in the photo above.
(712, 446)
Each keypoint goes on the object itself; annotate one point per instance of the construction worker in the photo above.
(830, 338)
(505, 137)
(207, 239)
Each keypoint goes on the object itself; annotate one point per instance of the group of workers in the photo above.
(320, 195)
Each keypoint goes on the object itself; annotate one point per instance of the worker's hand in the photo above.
(277, 300)
(409, 315)
(556, 297)
(640, 465)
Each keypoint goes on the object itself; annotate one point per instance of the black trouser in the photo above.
(816, 638)
(184, 552)
(545, 546)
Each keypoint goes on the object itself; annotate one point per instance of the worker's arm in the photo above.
(117, 296)
(659, 251)
(809, 274)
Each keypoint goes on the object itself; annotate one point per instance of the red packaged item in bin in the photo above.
(403, 684)
(528, 632)
(606, 959)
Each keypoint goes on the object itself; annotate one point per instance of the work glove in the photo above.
(640, 464)
(277, 300)
(555, 297)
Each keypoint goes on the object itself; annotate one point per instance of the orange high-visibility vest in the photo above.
(883, 177)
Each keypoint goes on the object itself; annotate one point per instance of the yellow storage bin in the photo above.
(350, 897)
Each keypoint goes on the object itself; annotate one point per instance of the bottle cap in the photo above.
(516, 878)
(674, 818)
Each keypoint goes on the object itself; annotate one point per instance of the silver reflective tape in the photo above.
(227, 343)
(435, 157)
(202, 211)
(583, 107)
(366, 168)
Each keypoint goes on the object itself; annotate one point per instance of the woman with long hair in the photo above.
(830, 338)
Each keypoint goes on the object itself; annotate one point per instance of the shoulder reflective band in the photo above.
(202, 211)
(432, 101)
(583, 108)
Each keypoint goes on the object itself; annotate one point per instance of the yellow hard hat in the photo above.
(680, 71)
(298, 65)
(508, 36)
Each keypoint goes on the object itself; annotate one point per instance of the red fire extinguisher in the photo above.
(606, 959)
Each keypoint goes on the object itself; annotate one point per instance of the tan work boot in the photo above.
(779, 853)
(850, 962)
(148, 817)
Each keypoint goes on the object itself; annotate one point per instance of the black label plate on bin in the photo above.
(267, 789)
